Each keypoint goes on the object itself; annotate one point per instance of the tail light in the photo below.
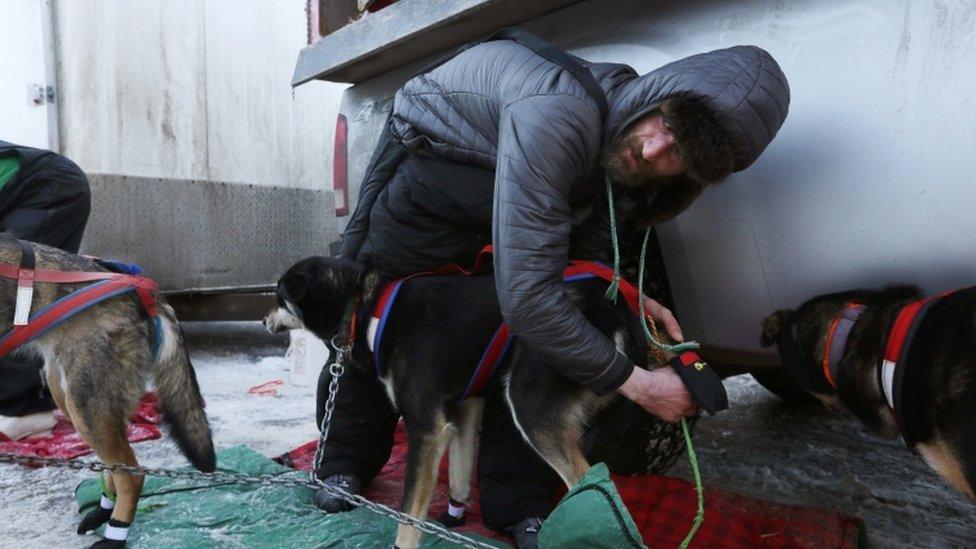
(340, 173)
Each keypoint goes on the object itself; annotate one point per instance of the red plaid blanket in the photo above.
(662, 507)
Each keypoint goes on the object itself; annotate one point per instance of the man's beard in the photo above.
(617, 166)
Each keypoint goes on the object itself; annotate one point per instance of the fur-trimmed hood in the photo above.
(724, 107)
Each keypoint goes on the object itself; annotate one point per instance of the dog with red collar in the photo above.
(900, 362)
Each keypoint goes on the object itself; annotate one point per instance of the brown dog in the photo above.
(899, 363)
(97, 364)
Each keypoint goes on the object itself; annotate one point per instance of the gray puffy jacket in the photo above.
(502, 107)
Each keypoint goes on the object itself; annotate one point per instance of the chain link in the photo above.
(337, 370)
(245, 479)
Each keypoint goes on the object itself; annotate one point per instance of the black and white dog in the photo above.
(432, 342)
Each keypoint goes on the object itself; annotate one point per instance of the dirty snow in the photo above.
(763, 447)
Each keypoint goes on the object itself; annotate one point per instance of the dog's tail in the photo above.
(179, 395)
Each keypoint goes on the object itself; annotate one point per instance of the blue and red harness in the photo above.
(500, 342)
(106, 285)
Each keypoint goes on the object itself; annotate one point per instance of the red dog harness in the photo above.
(500, 342)
(28, 327)
(898, 343)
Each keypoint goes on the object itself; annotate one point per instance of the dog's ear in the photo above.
(295, 285)
(773, 325)
(339, 277)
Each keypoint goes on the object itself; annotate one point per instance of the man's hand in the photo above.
(663, 315)
(660, 392)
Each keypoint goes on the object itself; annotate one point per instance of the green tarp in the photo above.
(181, 513)
(591, 515)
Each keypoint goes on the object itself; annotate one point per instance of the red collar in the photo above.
(836, 341)
(898, 344)
(891, 374)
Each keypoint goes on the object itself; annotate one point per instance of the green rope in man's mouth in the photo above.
(675, 349)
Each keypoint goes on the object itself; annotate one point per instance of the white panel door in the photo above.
(26, 115)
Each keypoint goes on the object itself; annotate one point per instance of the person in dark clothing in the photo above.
(509, 144)
(44, 198)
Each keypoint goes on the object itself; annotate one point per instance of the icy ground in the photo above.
(763, 447)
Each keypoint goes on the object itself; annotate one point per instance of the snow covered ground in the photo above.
(763, 447)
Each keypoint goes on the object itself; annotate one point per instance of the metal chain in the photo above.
(241, 478)
(337, 370)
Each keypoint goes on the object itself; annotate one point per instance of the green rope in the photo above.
(615, 283)
(675, 349)
(693, 458)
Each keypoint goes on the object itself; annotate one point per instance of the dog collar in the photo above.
(836, 342)
(377, 321)
(349, 320)
(900, 337)
(898, 344)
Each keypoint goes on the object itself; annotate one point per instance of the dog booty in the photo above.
(454, 515)
(97, 516)
(116, 533)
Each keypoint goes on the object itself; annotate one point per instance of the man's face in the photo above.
(645, 155)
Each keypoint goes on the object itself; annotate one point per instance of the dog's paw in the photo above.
(93, 519)
(107, 544)
(450, 521)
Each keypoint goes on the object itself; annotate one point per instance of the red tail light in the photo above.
(340, 174)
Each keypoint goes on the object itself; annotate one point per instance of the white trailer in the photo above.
(207, 168)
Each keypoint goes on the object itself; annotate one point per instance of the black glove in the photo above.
(703, 383)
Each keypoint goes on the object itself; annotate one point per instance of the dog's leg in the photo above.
(101, 514)
(106, 434)
(52, 374)
(554, 430)
(939, 455)
(100, 391)
(426, 440)
(462, 460)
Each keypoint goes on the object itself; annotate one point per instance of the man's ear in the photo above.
(773, 325)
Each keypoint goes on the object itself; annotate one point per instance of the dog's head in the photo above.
(774, 324)
(313, 294)
(798, 336)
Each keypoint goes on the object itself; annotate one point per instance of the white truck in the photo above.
(868, 183)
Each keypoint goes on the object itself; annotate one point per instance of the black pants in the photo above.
(515, 484)
(52, 209)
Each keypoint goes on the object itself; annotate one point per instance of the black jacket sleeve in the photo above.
(544, 147)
